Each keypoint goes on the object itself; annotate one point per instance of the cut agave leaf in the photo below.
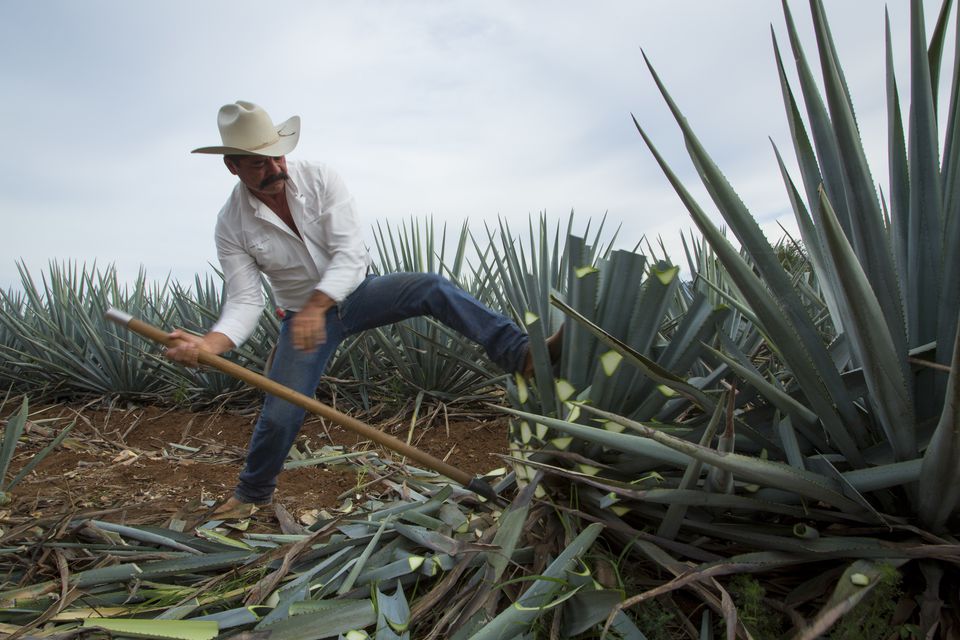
(322, 619)
(393, 615)
(161, 629)
(537, 597)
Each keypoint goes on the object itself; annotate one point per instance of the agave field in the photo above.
(762, 444)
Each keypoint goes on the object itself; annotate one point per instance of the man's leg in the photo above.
(280, 421)
(382, 300)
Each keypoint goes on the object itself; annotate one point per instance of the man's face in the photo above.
(261, 174)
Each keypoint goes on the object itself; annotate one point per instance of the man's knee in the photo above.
(434, 288)
(431, 281)
(280, 415)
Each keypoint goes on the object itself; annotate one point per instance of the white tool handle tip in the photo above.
(120, 317)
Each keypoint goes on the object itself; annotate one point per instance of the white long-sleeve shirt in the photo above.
(251, 239)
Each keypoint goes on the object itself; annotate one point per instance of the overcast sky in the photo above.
(456, 110)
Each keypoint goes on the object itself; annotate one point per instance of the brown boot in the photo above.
(233, 509)
(554, 348)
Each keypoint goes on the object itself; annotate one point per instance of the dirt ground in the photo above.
(147, 464)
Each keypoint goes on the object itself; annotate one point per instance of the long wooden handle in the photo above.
(310, 404)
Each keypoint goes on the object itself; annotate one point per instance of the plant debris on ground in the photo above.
(147, 462)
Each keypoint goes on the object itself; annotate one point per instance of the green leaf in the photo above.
(165, 629)
(774, 394)
(146, 536)
(406, 565)
(926, 192)
(678, 452)
(782, 334)
(950, 251)
(938, 497)
(935, 53)
(362, 560)
(899, 170)
(298, 589)
(875, 346)
(322, 619)
(393, 615)
(39, 456)
(510, 529)
(518, 617)
(649, 367)
(225, 540)
(829, 173)
(11, 436)
(867, 232)
(238, 617)
(670, 524)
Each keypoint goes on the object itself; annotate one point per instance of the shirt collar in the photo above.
(292, 187)
(254, 203)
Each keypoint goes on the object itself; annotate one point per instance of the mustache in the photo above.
(266, 182)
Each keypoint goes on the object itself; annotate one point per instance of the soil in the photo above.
(150, 465)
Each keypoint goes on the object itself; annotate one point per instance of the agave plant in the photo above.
(643, 308)
(12, 303)
(858, 433)
(55, 333)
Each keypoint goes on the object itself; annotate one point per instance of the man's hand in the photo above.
(187, 349)
(309, 327)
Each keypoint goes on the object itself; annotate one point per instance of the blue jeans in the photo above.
(378, 301)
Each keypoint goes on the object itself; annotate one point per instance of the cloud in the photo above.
(456, 109)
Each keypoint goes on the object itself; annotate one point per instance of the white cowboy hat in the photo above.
(246, 129)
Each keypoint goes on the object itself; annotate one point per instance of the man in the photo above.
(296, 223)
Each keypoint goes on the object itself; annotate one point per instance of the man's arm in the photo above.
(187, 350)
(342, 239)
(243, 293)
(309, 327)
(242, 305)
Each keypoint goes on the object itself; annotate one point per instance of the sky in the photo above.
(453, 110)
